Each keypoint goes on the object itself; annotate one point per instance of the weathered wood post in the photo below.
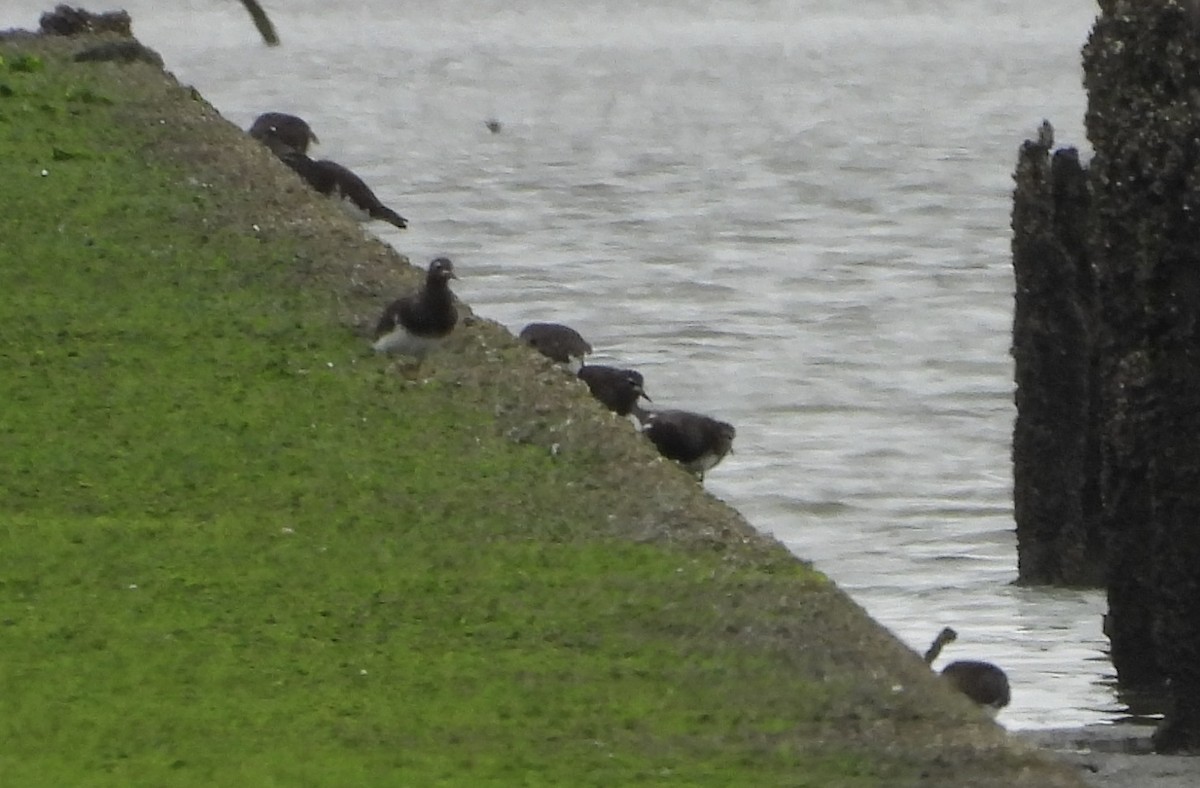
(1058, 537)
(1106, 338)
(1142, 73)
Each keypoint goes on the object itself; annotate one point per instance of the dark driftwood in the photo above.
(262, 22)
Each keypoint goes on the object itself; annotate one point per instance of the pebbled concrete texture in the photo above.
(1116, 756)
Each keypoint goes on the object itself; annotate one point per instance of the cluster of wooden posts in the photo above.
(1106, 344)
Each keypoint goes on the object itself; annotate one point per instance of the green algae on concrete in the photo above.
(238, 549)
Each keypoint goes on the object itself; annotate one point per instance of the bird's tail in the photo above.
(386, 214)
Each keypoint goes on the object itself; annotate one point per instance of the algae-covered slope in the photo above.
(238, 549)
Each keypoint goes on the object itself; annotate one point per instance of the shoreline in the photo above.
(1115, 756)
(728, 655)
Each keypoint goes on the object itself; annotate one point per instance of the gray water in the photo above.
(787, 214)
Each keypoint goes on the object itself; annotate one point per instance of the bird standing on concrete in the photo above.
(415, 324)
(982, 682)
(557, 342)
(695, 441)
(283, 133)
(617, 389)
(333, 180)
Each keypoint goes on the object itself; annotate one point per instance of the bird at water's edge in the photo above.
(617, 389)
(414, 324)
(283, 133)
(557, 342)
(982, 682)
(333, 180)
(695, 441)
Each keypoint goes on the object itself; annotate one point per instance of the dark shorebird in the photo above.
(557, 342)
(334, 180)
(414, 324)
(982, 682)
(618, 389)
(695, 441)
(283, 133)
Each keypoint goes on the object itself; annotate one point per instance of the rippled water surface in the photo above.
(793, 215)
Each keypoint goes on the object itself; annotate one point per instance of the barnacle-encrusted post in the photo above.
(1142, 73)
(1058, 538)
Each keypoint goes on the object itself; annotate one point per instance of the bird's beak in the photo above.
(645, 395)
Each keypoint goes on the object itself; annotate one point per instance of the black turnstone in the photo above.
(557, 342)
(618, 389)
(283, 133)
(414, 324)
(334, 180)
(982, 682)
(696, 441)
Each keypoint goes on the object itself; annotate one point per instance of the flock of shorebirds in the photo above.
(414, 324)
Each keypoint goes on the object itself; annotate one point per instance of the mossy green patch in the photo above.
(236, 548)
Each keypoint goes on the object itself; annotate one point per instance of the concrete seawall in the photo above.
(879, 702)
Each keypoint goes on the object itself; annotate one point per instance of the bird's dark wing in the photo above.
(315, 173)
(386, 214)
(356, 190)
(674, 437)
(391, 317)
(555, 341)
